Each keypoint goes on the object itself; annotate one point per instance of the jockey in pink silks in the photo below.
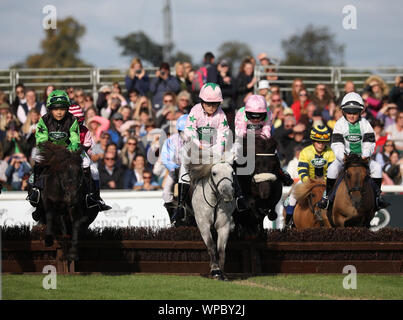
(256, 118)
(206, 127)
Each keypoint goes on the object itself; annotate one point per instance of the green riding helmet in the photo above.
(58, 99)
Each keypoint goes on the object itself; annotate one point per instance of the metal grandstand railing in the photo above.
(91, 79)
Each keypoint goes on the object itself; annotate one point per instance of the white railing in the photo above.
(91, 79)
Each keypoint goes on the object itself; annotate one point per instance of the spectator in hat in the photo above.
(103, 95)
(377, 89)
(396, 94)
(163, 83)
(264, 90)
(264, 60)
(97, 125)
(115, 124)
(137, 78)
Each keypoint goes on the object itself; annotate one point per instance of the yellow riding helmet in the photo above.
(320, 133)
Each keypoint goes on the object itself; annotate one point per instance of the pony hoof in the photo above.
(218, 275)
(49, 241)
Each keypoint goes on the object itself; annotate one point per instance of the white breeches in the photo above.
(168, 192)
(336, 166)
(88, 163)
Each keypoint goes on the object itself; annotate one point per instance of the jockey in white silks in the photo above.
(170, 157)
(353, 135)
(255, 118)
(206, 127)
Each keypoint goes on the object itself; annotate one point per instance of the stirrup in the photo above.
(34, 196)
(90, 202)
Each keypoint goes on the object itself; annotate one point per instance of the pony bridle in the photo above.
(214, 187)
(360, 188)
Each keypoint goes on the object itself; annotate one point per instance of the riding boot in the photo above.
(170, 209)
(179, 214)
(38, 213)
(289, 211)
(90, 200)
(240, 201)
(34, 193)
(380, 202)
(324, 202)
(97, 196)
(283, 175)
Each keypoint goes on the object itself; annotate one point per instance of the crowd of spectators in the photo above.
(127, 125)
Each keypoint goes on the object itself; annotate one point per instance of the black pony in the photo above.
(262, 189)
(63, 195)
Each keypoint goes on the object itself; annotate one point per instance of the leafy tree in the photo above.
(60, 48)
(234, 52)
(140, 45)
(313, 46)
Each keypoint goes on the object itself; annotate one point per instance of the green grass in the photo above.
(161, 287)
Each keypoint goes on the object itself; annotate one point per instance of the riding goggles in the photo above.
(256, 115)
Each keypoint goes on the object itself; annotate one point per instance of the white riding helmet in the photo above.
(352, 103)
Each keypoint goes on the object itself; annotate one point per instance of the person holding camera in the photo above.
(137, 79)
(163, 83)
(17, 172)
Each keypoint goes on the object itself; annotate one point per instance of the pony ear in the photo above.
(228, 157)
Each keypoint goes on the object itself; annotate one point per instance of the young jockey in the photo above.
(255, 117)
(171, 160)
(59, 127)
(90, 169)
(313, 162)
(353, 134)
(207, 127)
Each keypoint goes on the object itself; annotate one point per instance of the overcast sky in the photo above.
(200, 26)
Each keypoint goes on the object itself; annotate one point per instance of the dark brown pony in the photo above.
(63, 195)
(306, 213)
(354, 203)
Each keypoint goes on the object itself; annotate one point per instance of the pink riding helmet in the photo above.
(256, 104)
(211, 92)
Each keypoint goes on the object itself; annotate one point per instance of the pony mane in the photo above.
(200, 166)
(353, 160)
(303, 190)
(56, 157)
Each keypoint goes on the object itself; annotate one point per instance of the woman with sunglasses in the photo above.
(255, 117)
(299, 106)
(313, 162)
